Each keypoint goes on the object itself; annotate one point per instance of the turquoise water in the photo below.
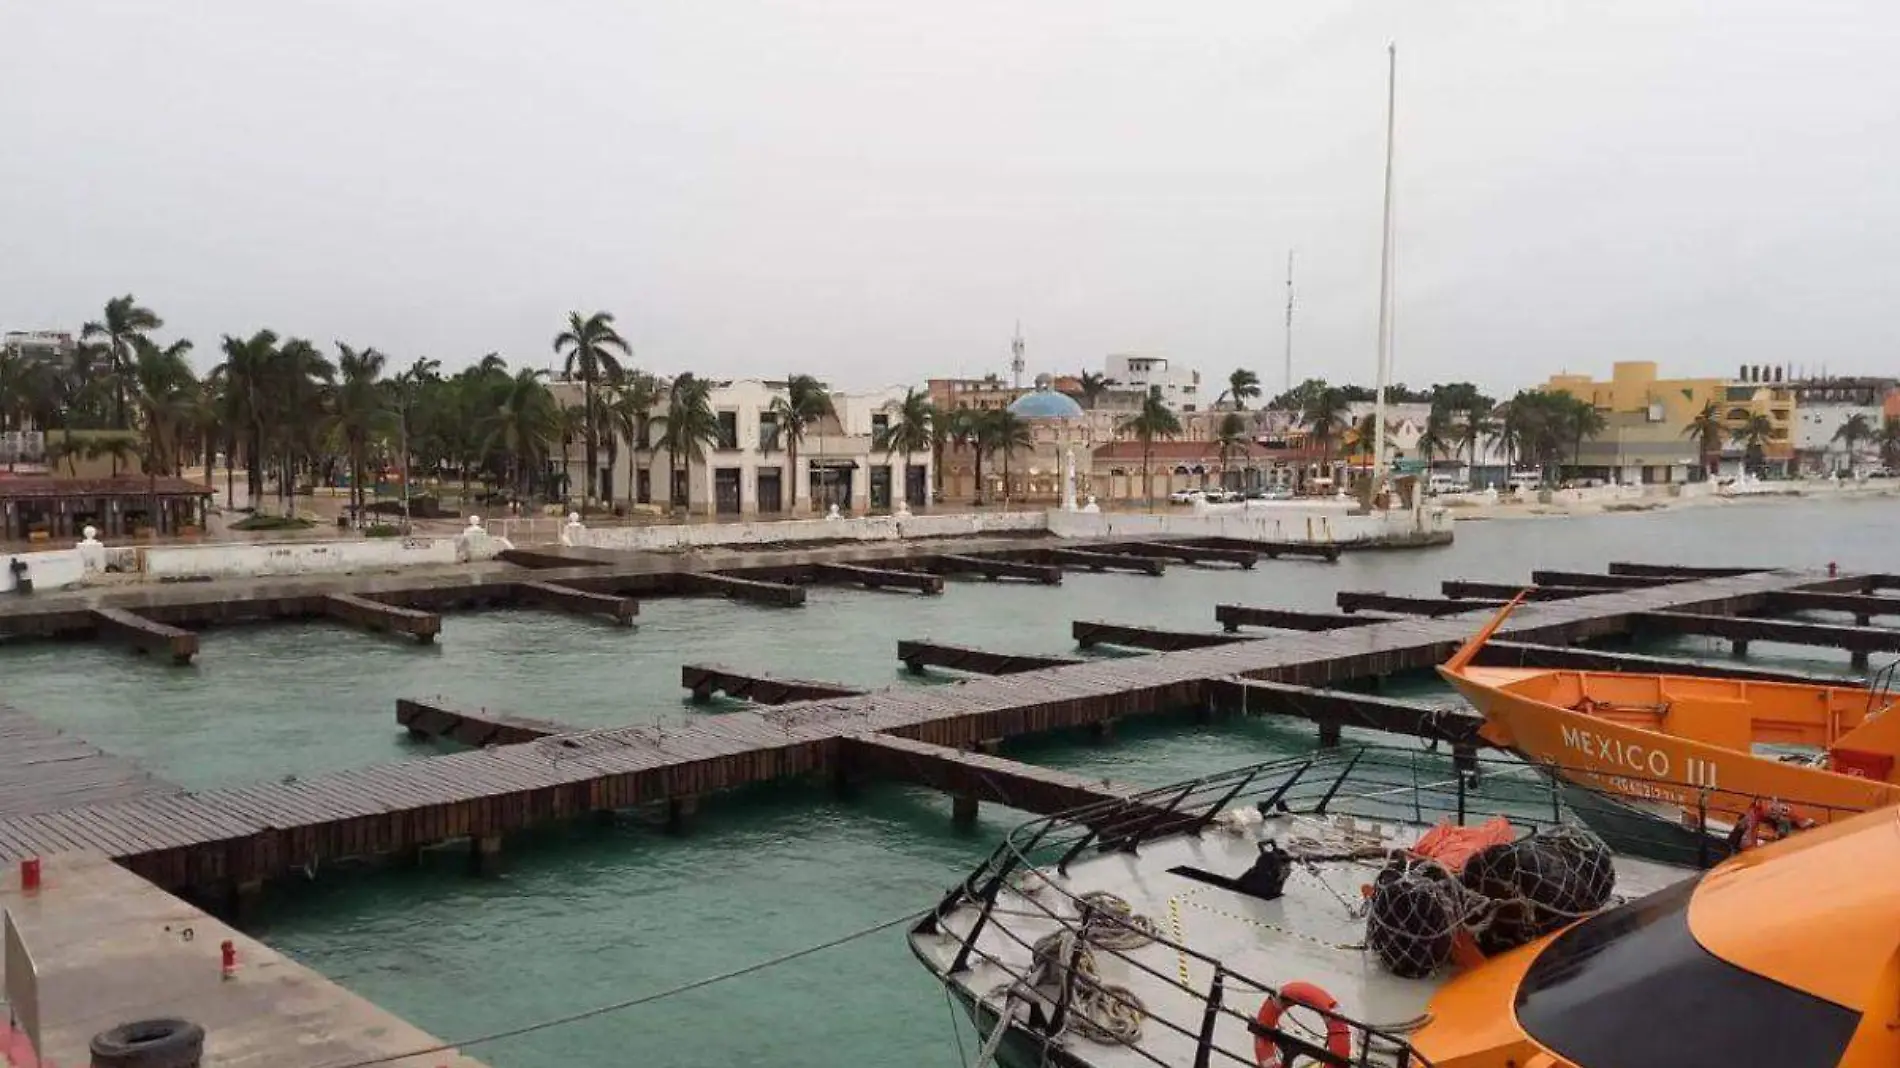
(596, 913)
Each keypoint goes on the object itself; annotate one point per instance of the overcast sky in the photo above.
(875, 192)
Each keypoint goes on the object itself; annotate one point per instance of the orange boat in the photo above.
(1687, 744)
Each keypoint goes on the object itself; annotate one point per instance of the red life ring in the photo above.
(1266, 1049)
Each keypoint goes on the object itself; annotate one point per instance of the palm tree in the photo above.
(1887, 440)
(1852, 432)
(589, 345)
(805, 403)
(1000, 430)
(1325, 418)
(1707, 429)
(1243, 385)
(125, 320)
(522, 424)
(1753, 435)
(689, 425)
(945, 428)
(300, 380)
(165, 393)
(568, 420)
(630, 414)
(361, 411)
(1231, 437)
(243, 383)
(1153, 421)
(1583, 421)
(1090, 385)
(912, 431)
(1436, 439)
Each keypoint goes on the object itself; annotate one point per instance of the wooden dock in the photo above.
(381, 617)
(580, 602)
(235, 837)
(917, 655)
(1190, 552)
(1103, 561)
(425, 719)
(1232, 617)
(1333, 709)
(734, 588)
(43, 769)
(1089, 633)
(878, 578)
(107, 947)
(705, 680)
(146, 635)
(992, 568)
(970, 777)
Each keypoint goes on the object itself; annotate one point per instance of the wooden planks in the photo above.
(1598, 582)
(1678, 571)
(1354, 600)
(1273, 550)
(262, 831)
(1188, 553)
(146, 635)
(918, 655)
(1863, 607)
(708, 679)
(1858, 640)
(1090, 633)
(1496, 593)
(1332, 709)
(1101, 561)
(426, 720)
(1235, 616)
(580, 602)
(734, 588)
(878, 578)
(386, 618)
(991, 568)
(43, 769)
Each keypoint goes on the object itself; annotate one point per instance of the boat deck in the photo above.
(1315, 933)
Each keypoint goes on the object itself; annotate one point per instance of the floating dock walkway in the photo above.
(236, 838)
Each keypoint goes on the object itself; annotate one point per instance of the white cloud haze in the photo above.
(875, 192)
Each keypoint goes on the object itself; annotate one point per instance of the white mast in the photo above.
(1289, 321)
(1385, 279)
(1016, 362)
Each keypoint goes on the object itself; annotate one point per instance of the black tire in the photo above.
(149, 1044)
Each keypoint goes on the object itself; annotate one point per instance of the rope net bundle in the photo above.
(1100, 1012)
(1504, 896)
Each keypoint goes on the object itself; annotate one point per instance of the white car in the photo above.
(1186, 496)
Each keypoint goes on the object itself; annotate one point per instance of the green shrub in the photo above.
(272, 522)
(381, 530)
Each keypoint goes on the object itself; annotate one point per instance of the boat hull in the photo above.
(1641, 830)
(1697, 781)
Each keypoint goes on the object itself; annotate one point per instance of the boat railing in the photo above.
(1377, 783)
(1880, 690)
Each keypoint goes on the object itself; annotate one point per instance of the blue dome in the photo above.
(1046, 404)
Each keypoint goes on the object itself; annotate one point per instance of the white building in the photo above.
(1815, 426)
(749, 471)
(1180, 388)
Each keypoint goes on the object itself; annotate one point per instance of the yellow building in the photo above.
(1647, 436)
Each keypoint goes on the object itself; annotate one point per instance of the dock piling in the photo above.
(381, 616)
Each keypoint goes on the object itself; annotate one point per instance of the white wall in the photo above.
(1289, 525)
(869, 528)
(48, 570)
(235, 560)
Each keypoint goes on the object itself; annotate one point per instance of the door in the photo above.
(771, 493)
(726, 490)
(880, 485)
(916, 485)
(643, 486)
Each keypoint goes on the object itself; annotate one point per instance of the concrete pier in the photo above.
(386, 618)
(146, 635)
(580, 602)
(107, 947)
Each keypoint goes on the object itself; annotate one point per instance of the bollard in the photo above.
(1833, 569)
(227, 953)
(30, 874)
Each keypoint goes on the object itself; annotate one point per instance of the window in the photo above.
(1632, 988)
(728, 430)
(880, 422)
(768, 431)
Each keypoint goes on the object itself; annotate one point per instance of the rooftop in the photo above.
(41, 487)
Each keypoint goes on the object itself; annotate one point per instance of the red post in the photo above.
(228, 951)
(1833, 569)
(30, 874)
